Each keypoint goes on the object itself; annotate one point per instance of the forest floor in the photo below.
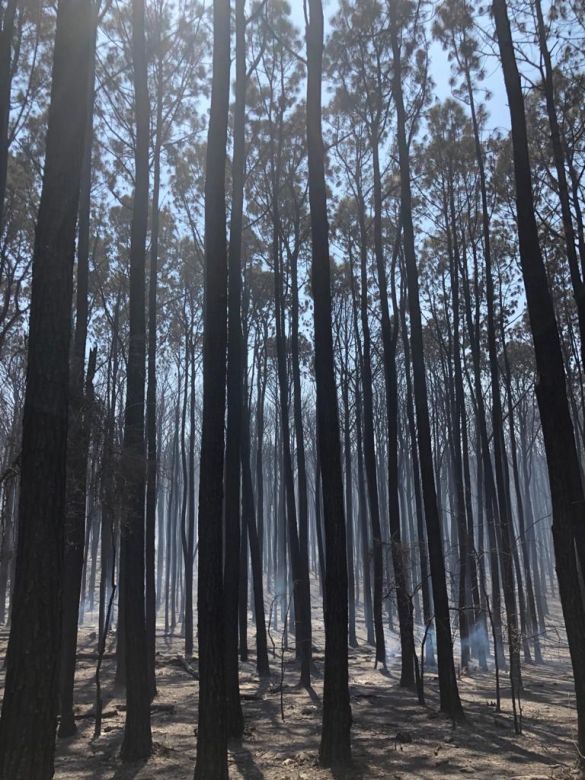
(392, 735)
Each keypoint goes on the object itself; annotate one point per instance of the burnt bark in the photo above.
(29, 708)
(233, 556)
(449, 692)
(137, 742)
(559, 438)
(335, 748)
(211, 762)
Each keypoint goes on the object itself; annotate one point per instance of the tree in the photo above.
(137, 735)
(29, 708)
(7, 25)
(235, 718)
(212, 727)
(561, 452)
(449, 693)
(80, 414)
(335, 748)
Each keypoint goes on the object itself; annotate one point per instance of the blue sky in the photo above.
(499, 117)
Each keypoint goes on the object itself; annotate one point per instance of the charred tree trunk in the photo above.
(335, 748)
(137, 742)
(389, 340)
(211, 761)
(233, 558)
(302, 602)
(449, 692)
(151, 421)
(29, 708)
(349, 512)
(427, 598)
(80, 403)
(6, 71)
(370, 446)
(561, 452)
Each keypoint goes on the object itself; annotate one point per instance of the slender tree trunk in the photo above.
(302, 602)
(189, 532)
(6, 70)
(335, 748)
(370, 447)
(489, 481)
(363, 512)
(211, 761)
(422, 543)
(389, 341)
(151, 421)
(249, 521)
(349, 511)
(259, 476)
(458, 404)
(530, 599)
(562, 185)
(137, 742)
(561, 452)
(233, 555)
(449, 692)
(303, 511)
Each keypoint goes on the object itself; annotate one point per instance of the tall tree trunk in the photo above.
(303, 511)
(559, 439)
(29, 708)
(261, 381)
(6, 70)
(349, 509)
(335, 748)
(151, 421)
(389, 340)
(233, 558)
(137, 742)
(79, 429)
(301, 589)
(369, 445)
(427, 598)
(530, 599)
(363, 513)
(562, 185)
(249, 515)
(188, 539)
(488, 482)
(211, 761)
(458, 405)
(449, 692)
(490, 485)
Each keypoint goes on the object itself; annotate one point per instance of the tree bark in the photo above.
(211, 763)
(449, 692)
(6, 70)
(233, 557)
(80, 411)
(29, 708)
(559, 439)
(335, 748)
(151, 416)
(137, 742)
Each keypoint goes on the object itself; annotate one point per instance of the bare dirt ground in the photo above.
(428, 744)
